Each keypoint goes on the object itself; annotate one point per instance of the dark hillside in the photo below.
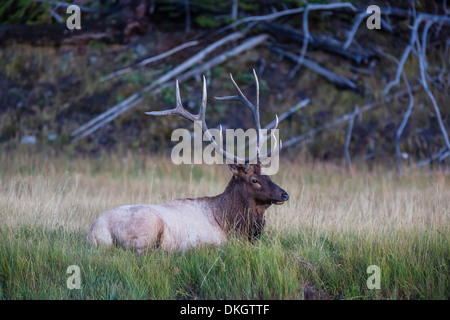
(52, 79)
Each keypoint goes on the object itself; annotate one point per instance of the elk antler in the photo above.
(255, 110)
(200, 117)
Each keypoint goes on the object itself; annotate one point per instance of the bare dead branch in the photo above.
(67, 4)
(187, 11)
(406, 116)
(310, 64)
(154, 88)
(56, 16)
(423, 73)
(306, 34)
(195, 59)
(120, 108)
(440, 155)
(320, 41)
(248, 44)
(421, 17)
(359, 18)
(345, 118)
(150, 60)
(290, 111)
(234, 10)
(267, 17)
(349, 137)
(166, 77)
(403, 125)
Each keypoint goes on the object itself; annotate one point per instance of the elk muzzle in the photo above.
(283, 198)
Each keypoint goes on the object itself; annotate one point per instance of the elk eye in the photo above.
(254, 181)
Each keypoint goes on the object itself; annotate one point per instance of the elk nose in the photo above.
(284, 196)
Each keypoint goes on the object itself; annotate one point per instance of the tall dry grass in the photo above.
(334, 225)
(61, 192)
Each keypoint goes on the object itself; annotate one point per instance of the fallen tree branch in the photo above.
(195, 59)
(67, 4)
(135, 100)
(149, 60)
(349, 137)
(174, 72)
(248, 44)
(343, 119)
(306, 34)
(421, 55)
(310, 64)
(267, 17)
(286, 114)
(155, 87)
(440, 155)
(320, 41)
(56, 16)
(359, 18)
(106, 117)
(406, 115)
(402, 125)
(423, 74)
(421, 17)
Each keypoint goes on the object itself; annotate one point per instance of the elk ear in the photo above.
(238, 169)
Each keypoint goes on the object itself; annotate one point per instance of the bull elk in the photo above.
(186, 223)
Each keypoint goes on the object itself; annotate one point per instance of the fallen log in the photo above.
(149, 60)
(440, 155)
(322, 42)
(310, 64)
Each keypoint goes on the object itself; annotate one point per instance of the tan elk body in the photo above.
(176, 226)
(187, 223)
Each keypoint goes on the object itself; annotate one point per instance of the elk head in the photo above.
(254, 185)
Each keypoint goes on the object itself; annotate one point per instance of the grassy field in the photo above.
(333, 227)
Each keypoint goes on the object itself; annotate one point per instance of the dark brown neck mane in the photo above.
(236, 211)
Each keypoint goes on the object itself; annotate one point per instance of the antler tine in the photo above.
(268, 136)
(230, 157)
(202, 112)
(201, 116)
(255, 109)
(240, 97)
(256, 116)
(274, 150)
(178, 110)
(257, 95)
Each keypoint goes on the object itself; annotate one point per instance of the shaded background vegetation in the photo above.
(50, 76)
